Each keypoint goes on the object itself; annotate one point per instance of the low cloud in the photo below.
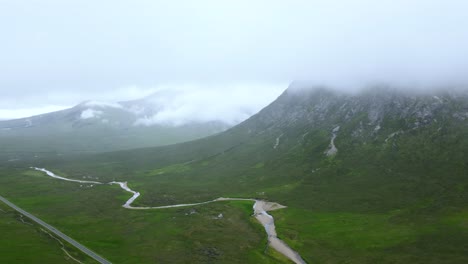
(102, 104)
(189, 103)
(172, 104)
(90, 113)
(14, 113)
(80, 53)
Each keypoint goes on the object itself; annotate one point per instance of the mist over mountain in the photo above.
(95, 126)
(172, 116)
(224, 46)
(181, 106)
(383, 166)
(166, 132)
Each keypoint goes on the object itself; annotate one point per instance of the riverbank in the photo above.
(260, 209)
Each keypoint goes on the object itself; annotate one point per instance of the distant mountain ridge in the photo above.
(119, 114)
(94, 126)
(370, 114)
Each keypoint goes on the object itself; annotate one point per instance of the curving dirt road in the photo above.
(260, 208)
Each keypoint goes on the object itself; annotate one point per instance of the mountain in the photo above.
(94, 126)
(376, 176)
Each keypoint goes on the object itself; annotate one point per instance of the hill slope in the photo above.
(377, 176)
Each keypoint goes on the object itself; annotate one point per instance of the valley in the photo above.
(378, 198)
(260, 212)
(234, 132)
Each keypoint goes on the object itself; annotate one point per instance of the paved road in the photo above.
(57, 232)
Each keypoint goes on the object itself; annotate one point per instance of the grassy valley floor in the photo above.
(94, 217)
(23, 241)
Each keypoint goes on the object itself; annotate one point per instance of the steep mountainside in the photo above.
(306, 120)
(377, 176)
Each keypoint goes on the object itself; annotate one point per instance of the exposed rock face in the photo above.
(366, 115)
(306, 116)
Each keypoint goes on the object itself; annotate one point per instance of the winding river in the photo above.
(260, 209)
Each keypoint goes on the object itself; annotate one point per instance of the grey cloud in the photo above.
(190, 103)
(62, 52)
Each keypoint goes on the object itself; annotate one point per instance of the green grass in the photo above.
(28, 243)
(94, 217)
(365, 205)
(400, 201)
(371, 203)
(371, 238)
(175, 168)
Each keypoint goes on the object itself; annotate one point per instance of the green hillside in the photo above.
(394, 191)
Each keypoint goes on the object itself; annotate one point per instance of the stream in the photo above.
(260, 209)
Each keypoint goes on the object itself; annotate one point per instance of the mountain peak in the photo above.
(98, 104)
(365, 112)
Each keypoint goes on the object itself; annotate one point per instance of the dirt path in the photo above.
(260, 212)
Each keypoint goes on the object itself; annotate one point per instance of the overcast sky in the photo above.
(55, 54)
